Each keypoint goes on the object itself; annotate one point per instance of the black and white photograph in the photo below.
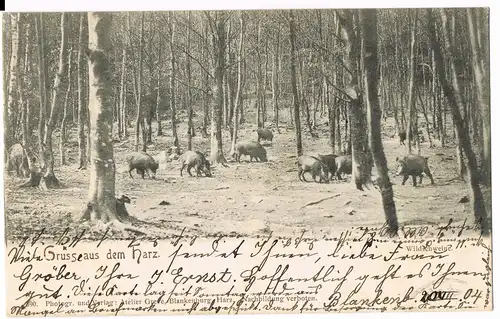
(232, 121)
(245, 124)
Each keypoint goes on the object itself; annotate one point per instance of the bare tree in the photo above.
(159, 131)
(60, 81)
(6, 40)
(190, 98)
(371, 80)
(454, 103)
(361, 162)
(481, 77)
(101, 203)
(175, 139)
(275, 80)
(24, 101)
(411, 89)
(82, 150)
(219, 43)
(238, 99)
(138, 86)
(293, 70)
(13, 92)
(41, 85)
(62, 136)
(122, 116)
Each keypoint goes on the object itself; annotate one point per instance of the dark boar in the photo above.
(314, 166)
(250, 148)
(413, 165)
(197, 160)
(142, 163)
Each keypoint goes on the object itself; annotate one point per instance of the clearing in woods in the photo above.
(246, 198)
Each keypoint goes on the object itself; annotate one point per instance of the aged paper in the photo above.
(426, 269)
(265, 225)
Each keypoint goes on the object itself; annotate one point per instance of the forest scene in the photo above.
(246, 122)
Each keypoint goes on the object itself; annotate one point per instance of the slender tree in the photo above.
(24, 97)
(275, 80)
(13, 95)
(159, 131)
(411, 88)
(371, 80)
(219, 43)
(238, 99)
(60, 81)
(82, 147)
(293, 74)
(190, 98)
(122, 122)
(6, 40)
(41, 85)
(62, 135)
(138, 87)
(175, 139)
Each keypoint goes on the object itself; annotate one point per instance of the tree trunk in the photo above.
(159, 131)
(243, 83)
(481, 77)
(188, 71)
(338, 136)
(258, 118)
(13, 95)
(275, 81)
(206, 114)
(264, 86)
(337, 106)
(371, 79)
(427, 124)
(450, 92)
(62, 141)
(49, 179)
(82, 154)
(101, 198)
(41, 81)
(175, 139)
(293, 72)
(138, 86)
(219, 43)
(123, 94)
(332, 112)
(411, 89)
(26, 117)
(6, 40)
(237, 100)
(361, 162)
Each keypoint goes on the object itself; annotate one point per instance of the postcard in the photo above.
(283, 161)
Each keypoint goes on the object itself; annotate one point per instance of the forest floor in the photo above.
(247, 198)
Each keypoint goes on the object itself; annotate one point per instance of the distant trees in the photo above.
(178, 72)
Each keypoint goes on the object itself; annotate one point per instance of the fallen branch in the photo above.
(321, 200)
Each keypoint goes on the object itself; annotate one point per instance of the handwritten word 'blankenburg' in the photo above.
(248, 275)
